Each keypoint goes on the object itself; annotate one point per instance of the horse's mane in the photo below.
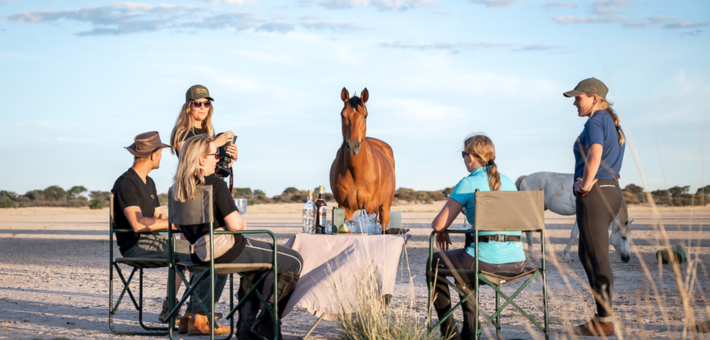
(355, 102)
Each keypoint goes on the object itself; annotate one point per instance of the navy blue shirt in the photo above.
(599, 129)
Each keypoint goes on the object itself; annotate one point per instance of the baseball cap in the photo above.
(197, 92)
(588, 86)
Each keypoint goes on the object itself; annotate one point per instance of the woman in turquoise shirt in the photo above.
(496, 257)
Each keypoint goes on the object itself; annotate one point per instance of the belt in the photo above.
(499, 238)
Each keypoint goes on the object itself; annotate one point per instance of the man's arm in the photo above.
(142, 224)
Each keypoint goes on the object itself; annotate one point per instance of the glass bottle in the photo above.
(321, 211)
(309, 215)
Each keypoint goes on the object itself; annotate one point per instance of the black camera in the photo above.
(223, 169)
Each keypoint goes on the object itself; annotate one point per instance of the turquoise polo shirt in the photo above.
(490, 252)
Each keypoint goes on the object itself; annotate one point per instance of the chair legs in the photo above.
(495, 317)
(113, 307)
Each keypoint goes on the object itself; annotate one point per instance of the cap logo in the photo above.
(594, 89)
(201, 90)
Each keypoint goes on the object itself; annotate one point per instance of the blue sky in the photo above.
(80, 79)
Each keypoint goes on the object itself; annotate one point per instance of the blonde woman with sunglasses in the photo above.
(196, 119)
(197, 168)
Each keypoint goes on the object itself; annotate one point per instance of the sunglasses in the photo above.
(197, 104)
(464, 153)
(216, 155)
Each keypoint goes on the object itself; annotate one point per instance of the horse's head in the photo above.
(354, 116)
(620, 238)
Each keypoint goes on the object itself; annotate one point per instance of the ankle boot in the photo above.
(184, 321)
(263, 328)
(162, 317)
(200, 325)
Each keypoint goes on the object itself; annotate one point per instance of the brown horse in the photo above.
(362, 174)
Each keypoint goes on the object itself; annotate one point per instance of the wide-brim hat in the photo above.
(588, 86)
(146, 144)
(197, 92)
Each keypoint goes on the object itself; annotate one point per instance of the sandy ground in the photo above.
(54, 276)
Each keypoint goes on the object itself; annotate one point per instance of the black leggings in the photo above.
(595, 211)
(460, 259)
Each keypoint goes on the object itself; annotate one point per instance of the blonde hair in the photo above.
(184, 124)
(606, 106)
(188, 175)
(482, 148)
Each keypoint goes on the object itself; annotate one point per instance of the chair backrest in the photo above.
(197, 210)
(510, 210)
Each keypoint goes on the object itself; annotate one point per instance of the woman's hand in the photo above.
(443, 241)
(223, 139)
(233, 152)
(580, 187)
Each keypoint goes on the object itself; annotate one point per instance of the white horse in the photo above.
(560, 199)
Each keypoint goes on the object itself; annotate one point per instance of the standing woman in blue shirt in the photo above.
(598, 154)
(497, 257)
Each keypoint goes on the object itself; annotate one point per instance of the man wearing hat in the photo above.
(136, 197)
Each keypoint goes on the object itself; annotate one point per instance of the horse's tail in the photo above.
(520, 180)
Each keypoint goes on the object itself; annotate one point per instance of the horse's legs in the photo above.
(349, 214)
(573, 236)
(385, 215)
(385, 212)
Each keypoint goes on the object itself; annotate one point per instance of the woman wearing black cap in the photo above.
(196, 119)
(598, 153)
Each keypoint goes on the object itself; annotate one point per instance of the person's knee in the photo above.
(292, 261)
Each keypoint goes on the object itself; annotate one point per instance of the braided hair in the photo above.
(481, 147)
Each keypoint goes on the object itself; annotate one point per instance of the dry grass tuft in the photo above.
(374, 318)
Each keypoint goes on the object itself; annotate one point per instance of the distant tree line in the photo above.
(79, 196)
(54, 196)
(675, 196)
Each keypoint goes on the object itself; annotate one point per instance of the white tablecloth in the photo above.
(342, 261)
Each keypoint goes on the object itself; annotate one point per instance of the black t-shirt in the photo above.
(129, 190)
(193, 132)
(223, 205)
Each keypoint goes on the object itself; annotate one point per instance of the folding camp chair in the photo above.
(138, 264)
(497, 211)
(199, 211)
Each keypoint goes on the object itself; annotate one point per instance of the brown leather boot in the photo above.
(595, 328)
(200, 325)
(184, 321)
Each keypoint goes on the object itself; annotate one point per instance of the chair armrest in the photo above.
(242, 232)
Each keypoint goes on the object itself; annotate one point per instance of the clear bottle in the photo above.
(309, 215)
(321, 213)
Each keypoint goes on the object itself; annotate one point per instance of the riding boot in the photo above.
(264, 326)
(247, 311)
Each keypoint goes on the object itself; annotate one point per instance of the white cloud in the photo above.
(128, 18)
(230, 2)
(550, 6)
(614, 12)
(466, 46)
(496, 3)
(379, 4)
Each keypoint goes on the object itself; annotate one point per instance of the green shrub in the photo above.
(6, 202)
(97, 203)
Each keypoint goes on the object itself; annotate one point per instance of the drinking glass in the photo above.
(350, 225)
(241, 205)
(328, 227)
